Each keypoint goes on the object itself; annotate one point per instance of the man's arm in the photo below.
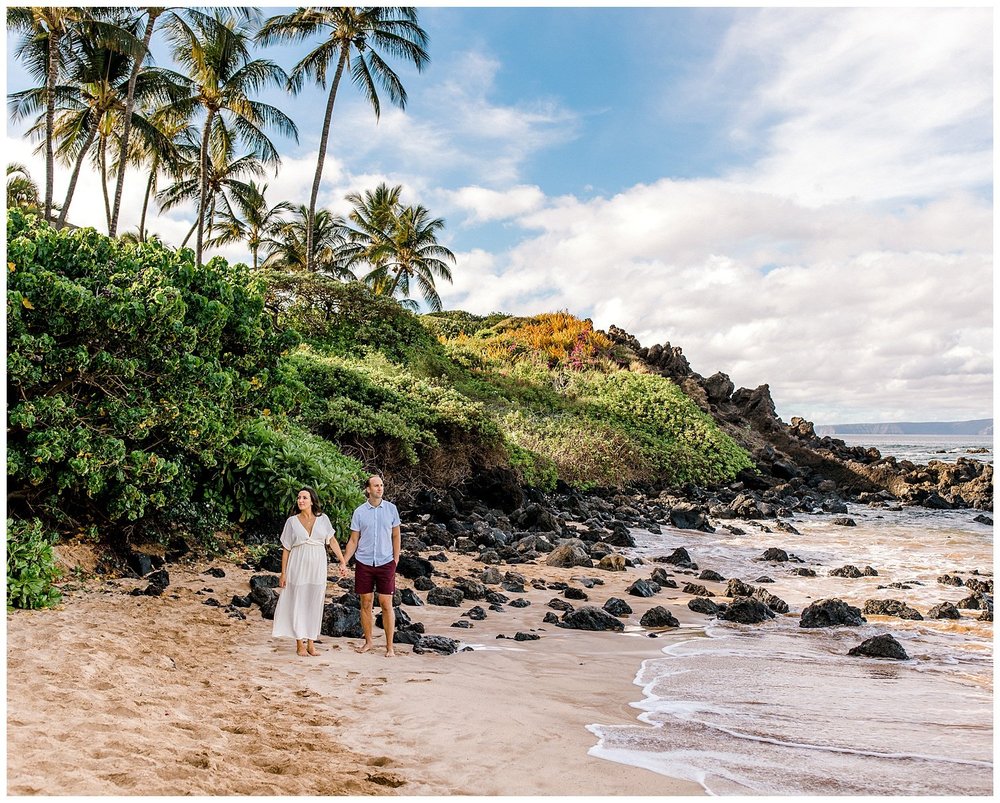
(395, 544)
(352, 545)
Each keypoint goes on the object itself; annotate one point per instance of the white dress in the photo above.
(299, 612)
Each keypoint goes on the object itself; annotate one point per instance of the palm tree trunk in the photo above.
(324, 138)
(145, 202)
(76, 174)
(103, 153)
(203, 187)
(153, 13)
(190, 232)
(50, 124)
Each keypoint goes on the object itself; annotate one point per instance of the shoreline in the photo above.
(166, 695)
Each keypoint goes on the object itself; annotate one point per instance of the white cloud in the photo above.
(864, 103)
(832, 307)
(485, 205)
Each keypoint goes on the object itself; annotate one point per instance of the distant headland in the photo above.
(981, 426)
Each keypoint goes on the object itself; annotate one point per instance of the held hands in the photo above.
(343, 570)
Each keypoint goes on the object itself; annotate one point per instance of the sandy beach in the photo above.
(111, 694)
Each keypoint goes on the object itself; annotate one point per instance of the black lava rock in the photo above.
(944, 611)
(442, 645)
(447, 597)
(890, 607)
(831, 613)
(617, 607)
(883, 646)
(643, 588)
(703, 605)
(746, 610)
(590, 617)
(659, 616)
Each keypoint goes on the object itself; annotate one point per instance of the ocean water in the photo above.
(778, 709)
(921, 449)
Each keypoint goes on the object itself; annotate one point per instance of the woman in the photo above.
(299, 612)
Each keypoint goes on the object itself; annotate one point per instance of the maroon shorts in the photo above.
(368, 579)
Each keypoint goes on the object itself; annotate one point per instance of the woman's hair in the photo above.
(317, 510)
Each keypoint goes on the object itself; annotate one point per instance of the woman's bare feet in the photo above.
(300, 648)
(311, 650)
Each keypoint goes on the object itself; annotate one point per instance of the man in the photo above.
(374, 543)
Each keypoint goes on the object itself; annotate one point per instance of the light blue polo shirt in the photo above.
(375, 525)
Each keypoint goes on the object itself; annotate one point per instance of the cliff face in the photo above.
(795, 455)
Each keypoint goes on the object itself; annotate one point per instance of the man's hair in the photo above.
(368, 482)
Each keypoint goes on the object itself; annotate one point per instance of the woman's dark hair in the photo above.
(317, 510)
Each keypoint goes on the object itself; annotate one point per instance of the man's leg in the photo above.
(367, 620)
(388, 621)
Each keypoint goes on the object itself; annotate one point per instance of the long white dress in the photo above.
(299, 612)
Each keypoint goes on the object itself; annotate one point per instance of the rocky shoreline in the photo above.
(592, 534)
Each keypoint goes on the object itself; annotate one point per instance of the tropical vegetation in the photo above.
(155, 393)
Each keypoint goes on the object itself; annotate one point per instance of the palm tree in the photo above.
(90, 107)
(176, 18)
(163, 157)
(222, 76)
(353, 38)
(219, 189)
(399, 245)
(288, 250)
(256, 224)
(21, 187)
(47, 35)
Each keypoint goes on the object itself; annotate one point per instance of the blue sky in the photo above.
(799, 197)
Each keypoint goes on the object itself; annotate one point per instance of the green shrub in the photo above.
(374, 401)
(31, 567)
(534, 470)
(272, 462)
(130, 371)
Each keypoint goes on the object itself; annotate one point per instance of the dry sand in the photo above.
(121, 695)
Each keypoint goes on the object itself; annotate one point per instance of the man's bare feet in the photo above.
(366, 647)
(390, 653)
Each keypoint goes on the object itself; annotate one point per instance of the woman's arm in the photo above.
(284, 564)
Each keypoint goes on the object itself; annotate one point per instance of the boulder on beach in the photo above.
(408, 597)
(659, 616)
(890, 607)
(711, 576)
(447, 597)
(774, 554)
(831, 613)
(442, 645)
(776, 604)
(612, 563)
(590, 617)
(950, 580)
(844, 521)
(697, 589)
(737, 588)
(643, 588)
(617, 607)
(568, 554)
(882, 646)
(413, 566)
(686, 516)
(679, 557)
(575, 593)
(341, 621)
(746, 611)
(944, 611)
(703, 605)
